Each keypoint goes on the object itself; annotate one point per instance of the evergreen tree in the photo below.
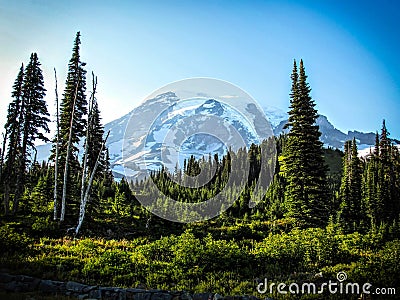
(75, 84)
(384, 173)
(373, 204)
(13, 130)
(376, 149)
(254, 161)
(384, 144)
(306, 194)
(345, 198)
(34, 116)
(350, 190)
(40, 194)
(382, 177)
(73, 108)
(356, 183)
(292, 159)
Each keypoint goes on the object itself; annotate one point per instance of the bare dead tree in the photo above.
(5, 178)
(65, 180)
(6, 201)
(91, 101)
(3, 150)
(57, 144)
(87, 192)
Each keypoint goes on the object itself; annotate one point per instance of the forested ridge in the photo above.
(324, 211)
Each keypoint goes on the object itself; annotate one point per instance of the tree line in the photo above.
(304, 189)
(77, 119)
(295, 183)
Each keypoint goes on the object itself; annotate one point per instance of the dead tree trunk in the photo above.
(6, 200)
(64, 194)
(56, 158)
(87, 192)
(6, 179)
(3, 150)
(84, 171)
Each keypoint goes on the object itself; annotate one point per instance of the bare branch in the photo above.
(57, 144)
(83, 204)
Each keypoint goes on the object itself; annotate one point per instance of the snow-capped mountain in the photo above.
(165, 130)
(133, 144)
(198, 145)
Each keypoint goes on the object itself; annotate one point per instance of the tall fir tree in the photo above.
(356, 184)
(374, 207)
(35, 120)
(36, 117)
(350, 191)
(381, 194)
(73, 108)
(293, 155)
(306, 193)
(387, 180)
(384, 183)
(13, 130)
(376, 148)
(345, 198)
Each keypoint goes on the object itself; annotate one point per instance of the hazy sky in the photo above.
(350, 50)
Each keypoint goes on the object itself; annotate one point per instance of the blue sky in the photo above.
(350, 50)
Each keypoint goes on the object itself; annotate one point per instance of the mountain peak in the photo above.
(210, 106)
(322, 121)
(168, 97)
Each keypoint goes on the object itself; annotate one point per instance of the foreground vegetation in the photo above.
(197, 261)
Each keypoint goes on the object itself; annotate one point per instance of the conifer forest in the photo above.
(324, 210)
